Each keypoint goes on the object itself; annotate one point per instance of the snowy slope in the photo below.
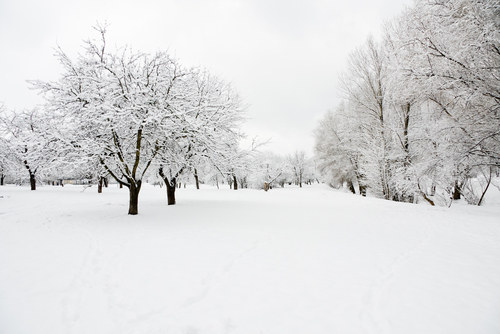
(310, 260)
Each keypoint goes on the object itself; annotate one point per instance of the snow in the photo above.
(293, 260)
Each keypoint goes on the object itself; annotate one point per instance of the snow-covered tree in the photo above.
(338, 151)
(364, 85)
(211, 118)
(29, 143)
(268, 170)
(447, 56)
(129, 109)
(298, 163)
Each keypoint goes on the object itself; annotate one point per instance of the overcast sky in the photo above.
(283, 56)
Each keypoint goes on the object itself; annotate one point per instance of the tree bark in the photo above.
(362, 190)
(196, 179)
(133, 207)
(351, 187)
(32, 175)
(99, 185)
(430, 201)
(485, 190)
(456, 191)
(170, 191)
(32, 180)
(2, 177)
(235, 183)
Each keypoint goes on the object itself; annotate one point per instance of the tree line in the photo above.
(133, 116)
(420, 111)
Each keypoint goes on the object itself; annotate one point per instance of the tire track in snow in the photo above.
(372, 317)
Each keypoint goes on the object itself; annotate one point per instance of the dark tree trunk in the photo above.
(362, 190)
(32, 181)
(235, 183)
(424, 195)
(133, 207)
(351, 187)
(106, 181)
(99, 185)
(456, 191)
(196, 179)
(486, 189)
(32, 175)
(2, 177)
(170, 191)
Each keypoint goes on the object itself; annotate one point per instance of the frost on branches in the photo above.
(421, 115)
(131, 110)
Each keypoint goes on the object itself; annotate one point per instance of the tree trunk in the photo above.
(106, 181)
(235, 183)
(362, 190)
(351, 187)
(32, 180)
(2, 177)
(170, 191)
(99, 185)
(133, 207)
(485, 190)
(456, 191)
(196, 179)
(431, 202)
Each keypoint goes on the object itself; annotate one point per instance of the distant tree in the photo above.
(268, 168)
(30, 142)
(298, 164)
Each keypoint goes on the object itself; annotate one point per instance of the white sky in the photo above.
(283, 56)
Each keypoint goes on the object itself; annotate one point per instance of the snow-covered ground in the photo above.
(310, 260)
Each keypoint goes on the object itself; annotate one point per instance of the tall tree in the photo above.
(119, 105)
(364, 85)
(211, 118)
(338, 150)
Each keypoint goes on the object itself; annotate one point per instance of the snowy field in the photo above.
(311, 260)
